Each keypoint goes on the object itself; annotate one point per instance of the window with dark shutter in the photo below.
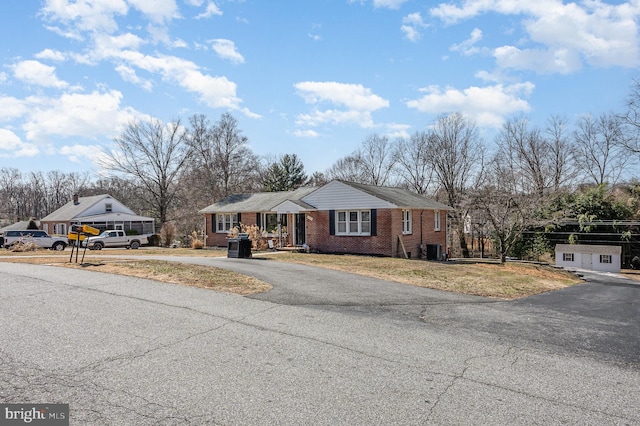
(332, 222)
(374, 222)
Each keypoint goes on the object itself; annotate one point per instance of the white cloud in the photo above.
(216, 92)
(49, 54)
(391, 4)
(488, 106)
(395, 130)
(359, 102)
(158, 11)
(85, 15)
(411, 25)
(3, 77)
(211, 10)
(129, 74)
(353, 96)
(562, 61)
(83, 153)
(306, 133)
(106, 46)
(12, 146)
(562, 36)
(226, 49)
(85, 115)
(38, 74)
(11, 108)
(45, 120)
(468, 47)
(360, 118)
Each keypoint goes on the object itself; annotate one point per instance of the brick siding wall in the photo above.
(385, 243)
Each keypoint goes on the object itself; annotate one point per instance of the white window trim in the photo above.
(437, 220)
(407, 219)
(347, 222)
(606, 259)
(232, 220)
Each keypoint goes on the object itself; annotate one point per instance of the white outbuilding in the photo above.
(594, 257)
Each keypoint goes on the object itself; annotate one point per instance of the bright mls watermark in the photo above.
(34, 414)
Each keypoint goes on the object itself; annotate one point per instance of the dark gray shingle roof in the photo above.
(71, 210)
(399, 196)
(256, 202)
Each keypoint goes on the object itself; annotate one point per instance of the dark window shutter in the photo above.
(258, 217)
(374, 222)
(214, 224)
(239, 221)
(332, 222)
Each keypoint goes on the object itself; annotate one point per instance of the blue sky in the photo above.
(312, 77)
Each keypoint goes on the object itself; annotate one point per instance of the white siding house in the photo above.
(593, 257)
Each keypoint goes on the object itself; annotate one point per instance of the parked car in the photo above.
(115, 238)
(35, 236)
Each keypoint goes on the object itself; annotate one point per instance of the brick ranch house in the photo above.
(339, 217)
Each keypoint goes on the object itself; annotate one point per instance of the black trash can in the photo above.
(239, 248)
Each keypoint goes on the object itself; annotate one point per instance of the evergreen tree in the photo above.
(286, 174)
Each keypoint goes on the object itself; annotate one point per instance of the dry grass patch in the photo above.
(168, 272)
(631, 273)
(142, 251)
(508, 281)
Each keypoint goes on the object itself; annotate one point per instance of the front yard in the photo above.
(508, 281)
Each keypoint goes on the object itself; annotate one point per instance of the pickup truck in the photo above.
(37, 237)
(114, 238)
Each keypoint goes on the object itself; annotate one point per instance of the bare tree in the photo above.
(222, 157)
(36, 202)
(373, 163)
(561, 151)
(348, 168)
(377, 159)
(154, 154)
(10, 186)
(632, 119)
(504, 205)
(457, 159)
(413, 163)
(126, 190)
(598, 148)
(523, 150)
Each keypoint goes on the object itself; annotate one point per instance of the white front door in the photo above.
(586, 260)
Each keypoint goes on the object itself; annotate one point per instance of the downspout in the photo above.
(446, 235)
(421, 235)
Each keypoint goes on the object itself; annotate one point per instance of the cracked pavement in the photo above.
(322, 347)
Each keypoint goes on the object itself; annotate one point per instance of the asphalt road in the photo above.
(321, 348)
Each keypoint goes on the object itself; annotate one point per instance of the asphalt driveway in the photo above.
(599, 318)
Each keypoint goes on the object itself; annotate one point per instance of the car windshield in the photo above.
(104, 234)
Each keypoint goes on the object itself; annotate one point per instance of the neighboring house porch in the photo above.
(99, 211)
